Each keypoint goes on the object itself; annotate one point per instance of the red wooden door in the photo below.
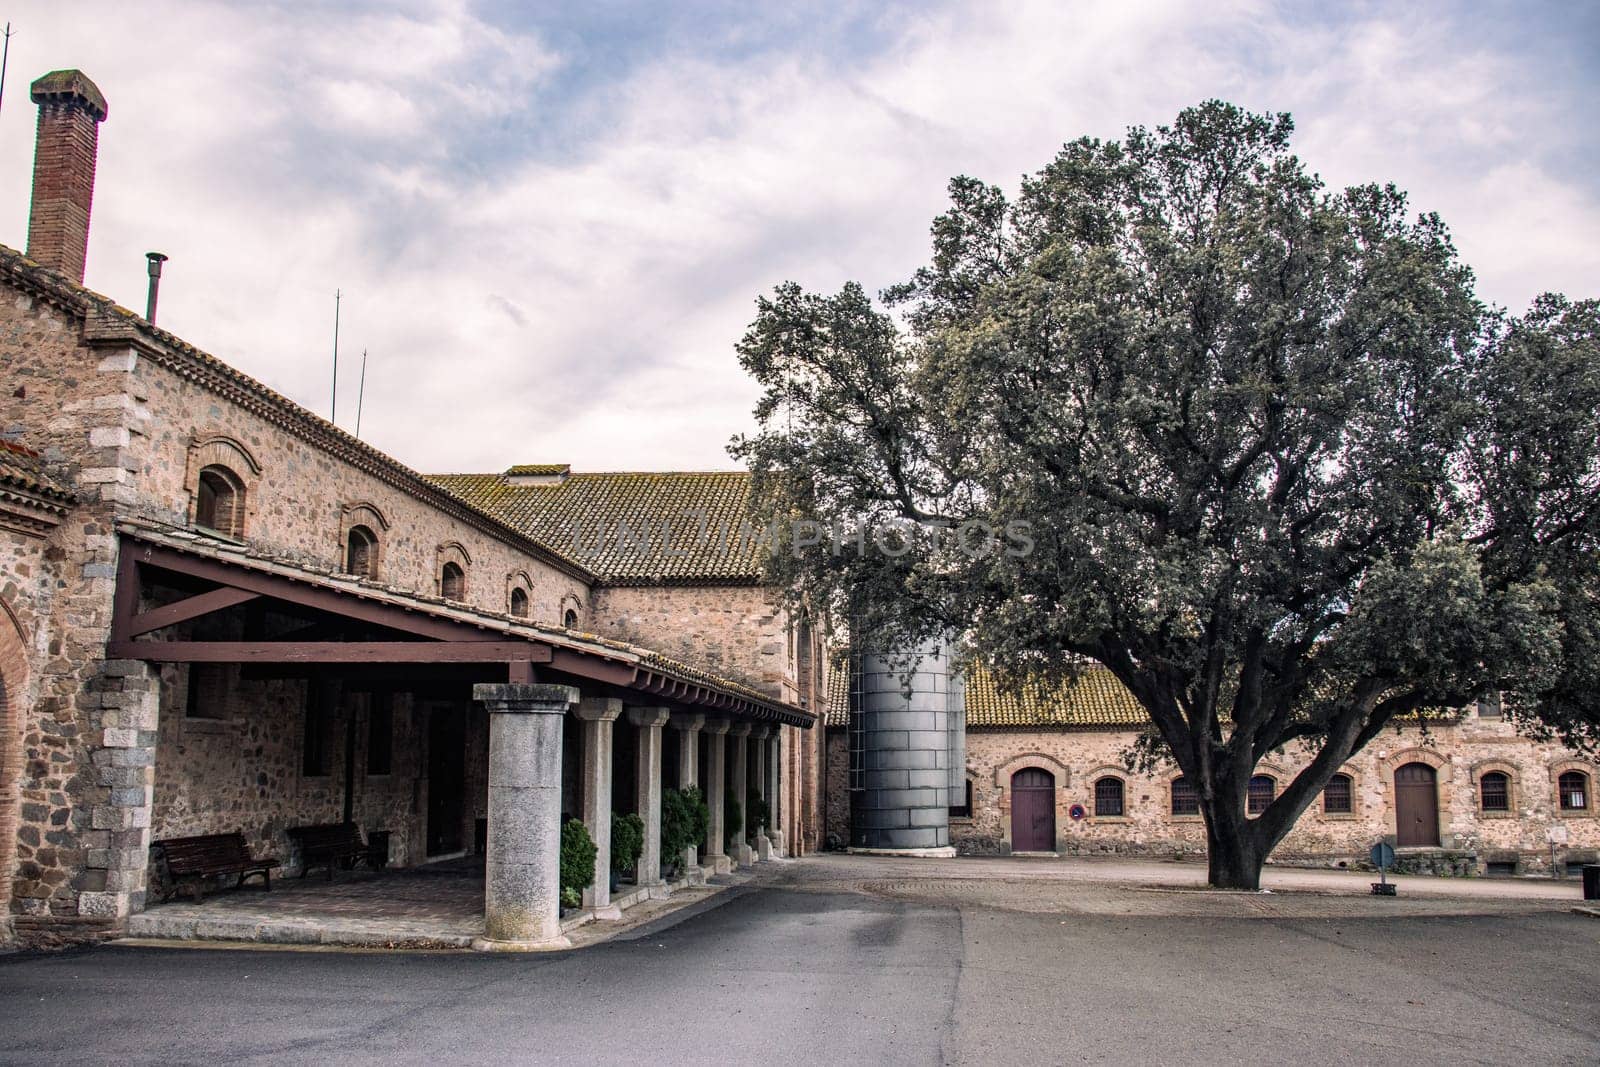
(1416, 806)
(1033, 811)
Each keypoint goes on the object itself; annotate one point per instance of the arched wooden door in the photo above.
(1033, 811)
(1416, 806)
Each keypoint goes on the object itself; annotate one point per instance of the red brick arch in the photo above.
(13, 684)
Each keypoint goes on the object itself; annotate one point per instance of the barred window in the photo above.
(361, 552)
(453, 582)
(1263, 787)
(1494, 791)
(1185, 801)
(1337, 798)
(1108, 796)
(1574, 789)
(219, 501)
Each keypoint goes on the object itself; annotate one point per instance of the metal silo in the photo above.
(907, 747)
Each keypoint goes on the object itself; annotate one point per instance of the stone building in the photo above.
(220, 613)
(1045, 773)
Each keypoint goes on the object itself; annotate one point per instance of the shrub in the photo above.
(577, 861)
(677, 826)
(757, 817)
(732, 815)
(627, 841)
(701, 814)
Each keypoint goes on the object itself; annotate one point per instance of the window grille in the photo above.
(1108, 796)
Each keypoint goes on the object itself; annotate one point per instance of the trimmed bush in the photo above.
(677, 827)
(701, 814)
(759, 814)
(577, 862)
(627, 842)
(731, 819)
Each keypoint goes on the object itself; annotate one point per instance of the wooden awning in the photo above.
(290, 617)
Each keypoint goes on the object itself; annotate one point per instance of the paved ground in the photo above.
(832, 960)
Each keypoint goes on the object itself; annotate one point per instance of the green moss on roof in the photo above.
(630, 528)
(534, 469)
(23, 468)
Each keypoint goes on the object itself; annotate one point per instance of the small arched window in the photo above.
(1337, 798)
(361, 552)
(1263, 787)
(219, 501)
(1108, 796)
(1185, 801)
(452, 582)
(570, 619)
(1494, 791)
(1573, 787)
(519, 602)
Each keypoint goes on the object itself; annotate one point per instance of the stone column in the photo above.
(522, 883)
(689, 770)
(739, 785)
(598, 713)
(649, 721)
(775, 794)
(715, 788)
(762, 753)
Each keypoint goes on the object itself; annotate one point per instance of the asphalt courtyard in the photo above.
(848, 960)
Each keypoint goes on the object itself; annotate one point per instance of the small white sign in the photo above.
(1557, 835)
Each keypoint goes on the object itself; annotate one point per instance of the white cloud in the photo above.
(544, 277)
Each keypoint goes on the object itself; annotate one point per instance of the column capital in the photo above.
(761, 733)
(523, 698)
(599, 709)
(688, 722)
(648, 716)
(739, 729)
(717, 726)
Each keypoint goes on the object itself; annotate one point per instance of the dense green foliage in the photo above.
(757, 814)
(577, 862)
(1286, 476)
(732, 819)
(627, 841)
(684, 818)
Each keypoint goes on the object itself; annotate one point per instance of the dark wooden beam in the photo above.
(330, 651)
(184, 610)
(572, 661)
(349, 604)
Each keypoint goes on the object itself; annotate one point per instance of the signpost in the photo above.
(1382, 856)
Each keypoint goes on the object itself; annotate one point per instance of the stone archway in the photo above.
(13, 682)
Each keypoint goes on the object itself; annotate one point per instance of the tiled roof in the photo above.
(106, 322)
(630, 528)
(1094, 699)
(252, 558)
(23, 468)
(525, 469)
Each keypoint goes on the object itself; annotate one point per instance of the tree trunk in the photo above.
(1233, 856)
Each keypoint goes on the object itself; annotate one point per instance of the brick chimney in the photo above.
(71, 108)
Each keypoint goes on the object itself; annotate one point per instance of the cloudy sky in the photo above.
(550, 220)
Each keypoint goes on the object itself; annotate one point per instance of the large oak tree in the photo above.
(1287, 477)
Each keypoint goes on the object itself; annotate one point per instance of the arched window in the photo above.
(1573, 786)
(1263, 787)
(1185, 801)
(1108, 796)
(570, 619)
(519, 602)
(452, 582)
(1494, 791)
(219, 501)
(361, 552)
(1337, 798)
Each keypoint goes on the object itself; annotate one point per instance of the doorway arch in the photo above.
(1416, 806)
(1033, 810)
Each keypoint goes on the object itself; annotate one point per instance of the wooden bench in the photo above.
(328, 845)
(191, 860)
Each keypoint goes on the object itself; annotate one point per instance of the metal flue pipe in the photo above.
(155, 259)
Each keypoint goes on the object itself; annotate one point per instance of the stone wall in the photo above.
(236, 763)
(739, 632)
(1459, 753)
